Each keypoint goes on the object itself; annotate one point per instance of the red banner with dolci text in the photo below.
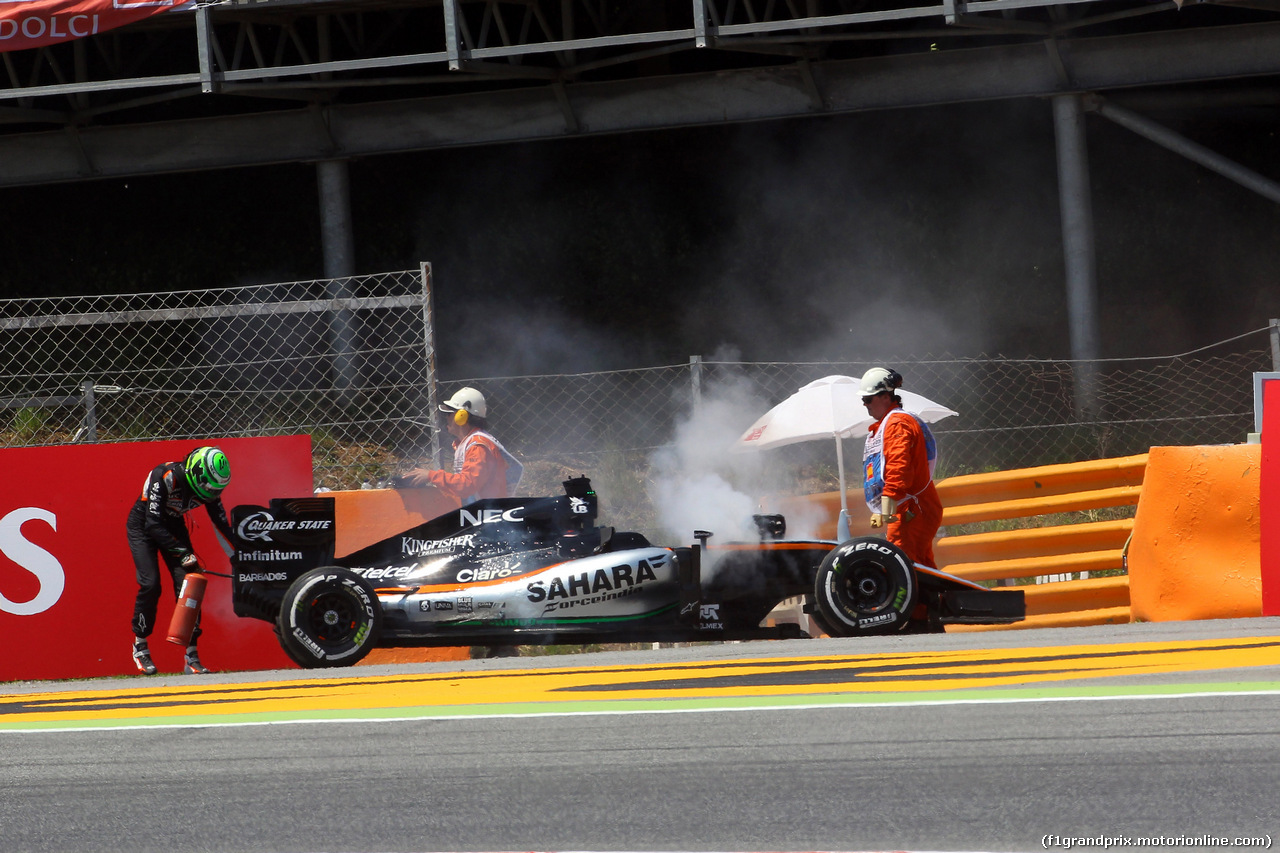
(67, 582)
(38, 23)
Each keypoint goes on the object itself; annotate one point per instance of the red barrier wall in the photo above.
(1269, 495)
(66, 576)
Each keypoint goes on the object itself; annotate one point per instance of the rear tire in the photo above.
(329, 617)
(865, 586)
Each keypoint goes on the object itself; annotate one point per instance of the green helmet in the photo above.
(208, 472)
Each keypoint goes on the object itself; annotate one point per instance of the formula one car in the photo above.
(515, 571)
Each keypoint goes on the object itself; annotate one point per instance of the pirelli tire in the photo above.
(865, 586)
(329, 617)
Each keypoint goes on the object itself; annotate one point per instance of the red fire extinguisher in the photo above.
(188, 609)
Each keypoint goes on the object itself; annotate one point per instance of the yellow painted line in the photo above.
(915, 672)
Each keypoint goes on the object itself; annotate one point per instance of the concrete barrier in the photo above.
(1022, 558)
(1191, 551)
(1197, 535)
(1019, 557)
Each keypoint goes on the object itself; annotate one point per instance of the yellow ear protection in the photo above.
(460, 417)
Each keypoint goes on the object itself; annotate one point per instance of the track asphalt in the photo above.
(1221, 657)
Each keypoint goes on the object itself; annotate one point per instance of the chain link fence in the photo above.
(1012, 413)
(631, 429)
(349, 361)
(352, 363)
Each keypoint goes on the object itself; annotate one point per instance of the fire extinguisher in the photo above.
(187, 611)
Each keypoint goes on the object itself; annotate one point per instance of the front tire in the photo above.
(329, 617)
(865, 586)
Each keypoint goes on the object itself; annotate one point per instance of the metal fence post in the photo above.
(1275, 344)
(429, 345)
(453, 34)
(90, 413)
(695, 381)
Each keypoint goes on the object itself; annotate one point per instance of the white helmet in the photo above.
(877, 380)
(468, 400)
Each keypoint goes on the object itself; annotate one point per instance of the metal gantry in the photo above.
(277, 81)
(245, 83)
(330, 51)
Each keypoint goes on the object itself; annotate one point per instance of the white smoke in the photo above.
(698, 483)
(805, 520)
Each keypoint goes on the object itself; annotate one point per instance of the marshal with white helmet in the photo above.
(877, 380)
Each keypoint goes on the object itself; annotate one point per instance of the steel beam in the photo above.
(1193, 151)
(1075, 203)
(1013, 71)
(333, 182)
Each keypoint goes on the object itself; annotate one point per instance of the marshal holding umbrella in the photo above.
(830, 407)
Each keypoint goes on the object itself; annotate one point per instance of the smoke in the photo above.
(526, 340)
(699, 483)
(836, 247)
(569, 260)
(881, 237)
(790, 241)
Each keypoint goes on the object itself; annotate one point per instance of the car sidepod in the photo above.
(748, 579)
(600, 592)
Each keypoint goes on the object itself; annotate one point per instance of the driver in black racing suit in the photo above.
(156, 526)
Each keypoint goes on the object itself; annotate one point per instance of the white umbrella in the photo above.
(830, 407)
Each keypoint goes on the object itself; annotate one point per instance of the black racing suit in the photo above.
(156, 526)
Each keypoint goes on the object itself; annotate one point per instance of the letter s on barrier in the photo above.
(34, 559)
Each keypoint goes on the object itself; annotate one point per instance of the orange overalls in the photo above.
(896, 463)
(479, 470)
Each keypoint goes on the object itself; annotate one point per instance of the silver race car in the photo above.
(538, 570)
